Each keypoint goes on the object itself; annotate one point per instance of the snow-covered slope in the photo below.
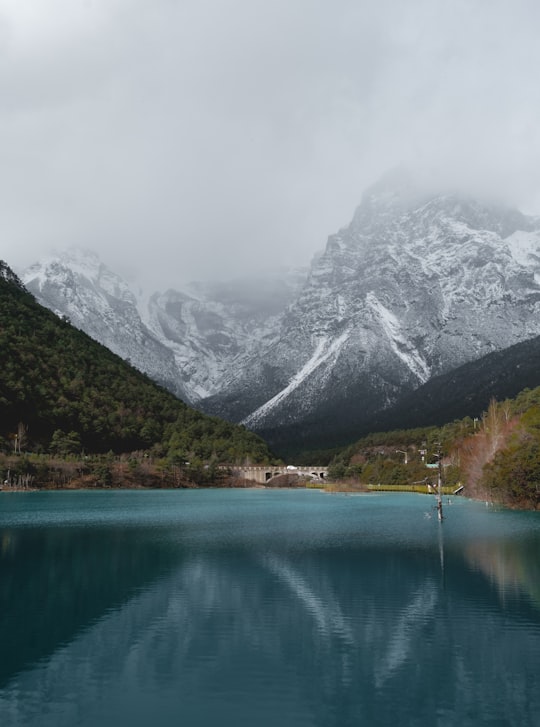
(77, 285)
(214, 329)
(193, 342)
(417, 285)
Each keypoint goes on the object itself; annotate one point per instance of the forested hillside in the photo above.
(495, 457)
(61, 392)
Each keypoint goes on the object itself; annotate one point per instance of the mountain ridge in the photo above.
(414, 287)
(404, 310)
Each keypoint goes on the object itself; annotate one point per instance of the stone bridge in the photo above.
(265, 474)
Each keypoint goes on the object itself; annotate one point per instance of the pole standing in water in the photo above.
(439, 486)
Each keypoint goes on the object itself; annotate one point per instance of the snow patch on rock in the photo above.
(324, 351)
(398, 341)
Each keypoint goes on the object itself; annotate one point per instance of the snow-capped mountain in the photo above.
(192, 342)
(75, 284)
(415, 286)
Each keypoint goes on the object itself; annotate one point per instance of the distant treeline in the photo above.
(133, 470)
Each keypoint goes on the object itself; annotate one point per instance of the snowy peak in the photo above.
(417, 285)
(422, 284)
(400, 193)
(74, 268)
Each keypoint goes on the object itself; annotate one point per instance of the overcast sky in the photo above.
(189, 139)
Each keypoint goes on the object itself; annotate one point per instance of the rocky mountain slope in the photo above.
(77, 286)
(414, 287)
(215, 329)
(417, 285)
(193, 342)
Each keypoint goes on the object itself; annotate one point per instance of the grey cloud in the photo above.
(199, 139)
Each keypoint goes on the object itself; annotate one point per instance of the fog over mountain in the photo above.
(195, 141)
(415, 286)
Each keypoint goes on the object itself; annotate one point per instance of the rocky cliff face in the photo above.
(415, 286)
(193, 342)
(216, 329)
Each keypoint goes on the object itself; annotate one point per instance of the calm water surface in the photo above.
(266, 608)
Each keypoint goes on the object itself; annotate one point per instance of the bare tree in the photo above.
(21, 437)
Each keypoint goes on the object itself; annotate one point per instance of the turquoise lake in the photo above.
(266, 608)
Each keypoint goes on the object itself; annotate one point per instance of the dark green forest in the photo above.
(62, 393)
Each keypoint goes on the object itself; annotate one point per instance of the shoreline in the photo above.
(322, 488)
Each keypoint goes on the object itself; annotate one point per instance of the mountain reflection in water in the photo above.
(359, 621)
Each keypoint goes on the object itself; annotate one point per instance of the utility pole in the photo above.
(439, 485)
